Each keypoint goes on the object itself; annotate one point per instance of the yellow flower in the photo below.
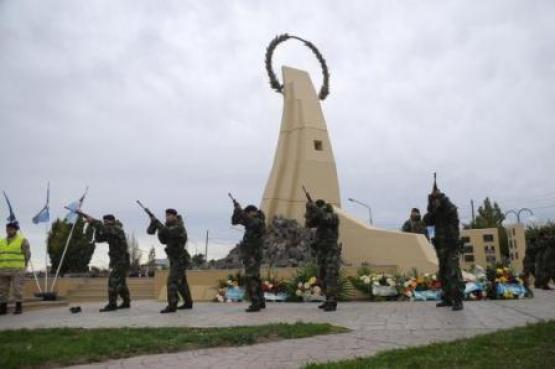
(312, 280)
(499, 271)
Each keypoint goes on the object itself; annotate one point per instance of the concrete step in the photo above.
(76, 299)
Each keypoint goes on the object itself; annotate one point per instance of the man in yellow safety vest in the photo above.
(15, 253)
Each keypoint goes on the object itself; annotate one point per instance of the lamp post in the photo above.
(366, 206)
(517, 213)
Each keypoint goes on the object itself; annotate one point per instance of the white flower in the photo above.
(366, 280)
(300, 285)
(229, 282)
(407, 284)
(298, 293)
(390, 282)
(306, 286)
(376, 283)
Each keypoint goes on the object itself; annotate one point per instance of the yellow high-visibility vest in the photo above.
(11, 254)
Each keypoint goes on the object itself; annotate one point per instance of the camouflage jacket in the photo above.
(255, 229)
(115, 237)
(414, 227)
(326, 223)
(174, 236)
(445, 220)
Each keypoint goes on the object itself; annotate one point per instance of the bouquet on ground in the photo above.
(505, 284)
(231, 289)
(377, 286)
(306, 286)
(422, 287)
(274, 289)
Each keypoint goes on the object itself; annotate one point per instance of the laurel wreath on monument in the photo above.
(274, 82)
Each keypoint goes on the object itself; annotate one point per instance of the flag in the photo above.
(11, 218)
(43, 216)
(71, 217)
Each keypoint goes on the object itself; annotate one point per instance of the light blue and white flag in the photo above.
(43, 216)
(72, 216)
(11, 218)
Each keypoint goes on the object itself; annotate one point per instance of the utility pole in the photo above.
(206, 247)
(472, 207)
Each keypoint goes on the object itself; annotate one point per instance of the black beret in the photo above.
(415, 210)
(109, 217)
(251, 208)
(14, 224)
(320, 203)
(171, 211)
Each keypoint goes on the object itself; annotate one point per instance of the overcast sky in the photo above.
(169, 102)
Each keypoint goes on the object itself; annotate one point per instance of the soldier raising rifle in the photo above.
(321, 216)
(251, 250)
(110, 230)
(174, 236)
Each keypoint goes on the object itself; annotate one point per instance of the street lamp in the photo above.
(517, 213)
(366, 206)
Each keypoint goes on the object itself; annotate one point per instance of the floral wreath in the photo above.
(274, 82)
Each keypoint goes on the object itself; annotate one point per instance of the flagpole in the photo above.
(34, 275)
(46, 260)
(63, 255)
(68, 239)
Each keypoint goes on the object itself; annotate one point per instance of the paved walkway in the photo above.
(375, 327)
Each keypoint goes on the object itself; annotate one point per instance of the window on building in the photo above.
(465, 239)
(516, 255)
(318, 145)
(514, 244)
(469, 258)
(490, 259)
(514, 232)
(492, 249)
(488, 238)
(512, 256)
(468, 249)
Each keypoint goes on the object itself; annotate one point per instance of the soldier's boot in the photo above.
(546, 287)
(186, 306)
(126, 304)
(108, 307)
(323, 305)
(444, 303)
(168, 309)
(330, 306)
(457, 306)
(253, 308)
(3, 308)
(18, 308)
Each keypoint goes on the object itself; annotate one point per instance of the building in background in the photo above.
(481, 247)
(517, 245)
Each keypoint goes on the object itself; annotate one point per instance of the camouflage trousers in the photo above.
(253, 282)
(177, 284)
(15, 279)
(329, 261)
(117, 285)
(450, 277)
(529, 265)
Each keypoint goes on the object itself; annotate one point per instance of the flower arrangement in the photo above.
(231, 289)
(376, 286)
(505, 284)
(305, 285)
(274, 289)
(421, 287)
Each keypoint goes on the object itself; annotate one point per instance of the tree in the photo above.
(491, 216)
(80, 249)
(151, 257)
(135, 253)
(198, 260)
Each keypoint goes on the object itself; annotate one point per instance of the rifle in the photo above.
(235, 203)
(79, 212)
(308, 197)
(147, 211)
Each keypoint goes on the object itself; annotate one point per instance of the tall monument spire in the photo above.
(304, 156)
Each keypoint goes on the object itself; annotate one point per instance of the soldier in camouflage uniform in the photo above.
(544, 262)
(111, 231)
(174, 236)
(321, 216)
(415, 224)
(529, 261)
(443, 215)
(251, 251)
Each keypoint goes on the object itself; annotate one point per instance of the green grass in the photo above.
(47, 348)
(528, 347)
